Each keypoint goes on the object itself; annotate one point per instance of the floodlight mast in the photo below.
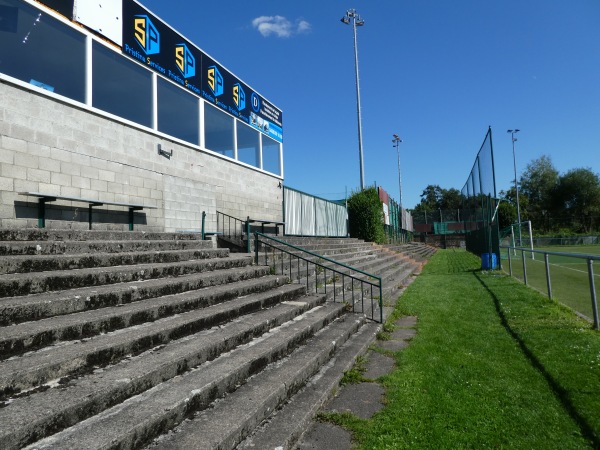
(396, 141)
(514, 139)
(357, 21)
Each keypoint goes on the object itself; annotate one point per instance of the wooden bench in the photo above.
(45, 198)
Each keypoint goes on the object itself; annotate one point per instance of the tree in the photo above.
(430, 198)
(365, 216)
(538, 184)
(578, 195)
(434, 197)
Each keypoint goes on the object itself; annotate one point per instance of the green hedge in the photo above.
(365, 216)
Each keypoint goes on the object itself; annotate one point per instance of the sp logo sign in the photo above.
(185, 60)
(215, 80)
(146, 35)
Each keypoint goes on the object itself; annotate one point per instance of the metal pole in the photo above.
(360, 148)
(351, 14)
(530, 239)
(593, 293)
(524, 267)
(512, 133)
(548, 282)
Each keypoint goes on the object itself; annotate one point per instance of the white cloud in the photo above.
(279, 26)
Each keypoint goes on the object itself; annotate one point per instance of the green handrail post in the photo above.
(256, 248)
(380, 300)
(248, 235)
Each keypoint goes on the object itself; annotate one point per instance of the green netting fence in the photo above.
(480, 205)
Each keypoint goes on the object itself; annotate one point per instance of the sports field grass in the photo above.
(569, 275)
(494, 364)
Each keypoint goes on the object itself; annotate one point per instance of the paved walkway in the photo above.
(362, 399)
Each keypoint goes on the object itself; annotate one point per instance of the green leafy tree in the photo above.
(538, 184)
(365, 216)
(434, 197)
(578, 195)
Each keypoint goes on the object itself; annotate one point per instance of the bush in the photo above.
(365, 216)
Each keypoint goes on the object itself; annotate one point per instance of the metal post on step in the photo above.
(203, 220)
(248, 235)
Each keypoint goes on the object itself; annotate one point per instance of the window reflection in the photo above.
(218, 131)
(177, 112)
(248, 145)
(271, 155)
(120, 86)
(40, 50)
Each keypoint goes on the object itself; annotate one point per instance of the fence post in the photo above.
(549, 283)
(524, 267)
(509, 262)
(593, 293)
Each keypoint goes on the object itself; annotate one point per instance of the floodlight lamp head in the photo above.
(345, 20)
(359, 22)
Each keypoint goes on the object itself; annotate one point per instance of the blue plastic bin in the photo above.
(485, 261)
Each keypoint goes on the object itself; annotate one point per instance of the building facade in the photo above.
(133, 114)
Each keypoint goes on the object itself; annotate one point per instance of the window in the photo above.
(271, 155)
(120, 86)
(177, 112)
(248, 144)
(40, 50)
(218, 131)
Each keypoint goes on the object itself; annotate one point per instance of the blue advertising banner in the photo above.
(148, 40)
(224, 90)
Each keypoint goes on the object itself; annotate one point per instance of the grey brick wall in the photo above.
(54, 147)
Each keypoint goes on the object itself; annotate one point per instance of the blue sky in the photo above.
(437, 73)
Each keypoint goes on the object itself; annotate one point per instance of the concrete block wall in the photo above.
(51, 146)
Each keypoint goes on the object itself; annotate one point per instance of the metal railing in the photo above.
(569, 278)
(230, 226)
(322, 275)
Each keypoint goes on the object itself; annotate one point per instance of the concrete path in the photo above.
(362, 399)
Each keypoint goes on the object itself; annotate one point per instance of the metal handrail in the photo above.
(335, 267)
(227, 220)
(590, 266)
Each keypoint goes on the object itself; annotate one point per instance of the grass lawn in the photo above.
(494, 364)
(569, 275)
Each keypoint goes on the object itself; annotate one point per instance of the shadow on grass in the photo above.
(559, 392)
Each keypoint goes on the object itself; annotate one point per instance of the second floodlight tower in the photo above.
(352, 17)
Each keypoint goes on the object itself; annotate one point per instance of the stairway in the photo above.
(158, 340)
(395, 264)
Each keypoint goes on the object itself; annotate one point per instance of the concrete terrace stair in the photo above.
(134, 340)
(395, 264)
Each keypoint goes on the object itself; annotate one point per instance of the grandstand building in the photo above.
(106, 109)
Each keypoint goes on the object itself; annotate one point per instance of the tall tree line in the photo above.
(555, 203)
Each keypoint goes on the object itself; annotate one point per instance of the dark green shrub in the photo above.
(365, 216)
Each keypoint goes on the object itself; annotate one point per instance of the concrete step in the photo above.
(44, 263)
(128, 404)
(285, 427)
(47, 234)
(78, 357)
(229, 420)
(15, 310)
(29, 336)
(56, 247)
(25, 283)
